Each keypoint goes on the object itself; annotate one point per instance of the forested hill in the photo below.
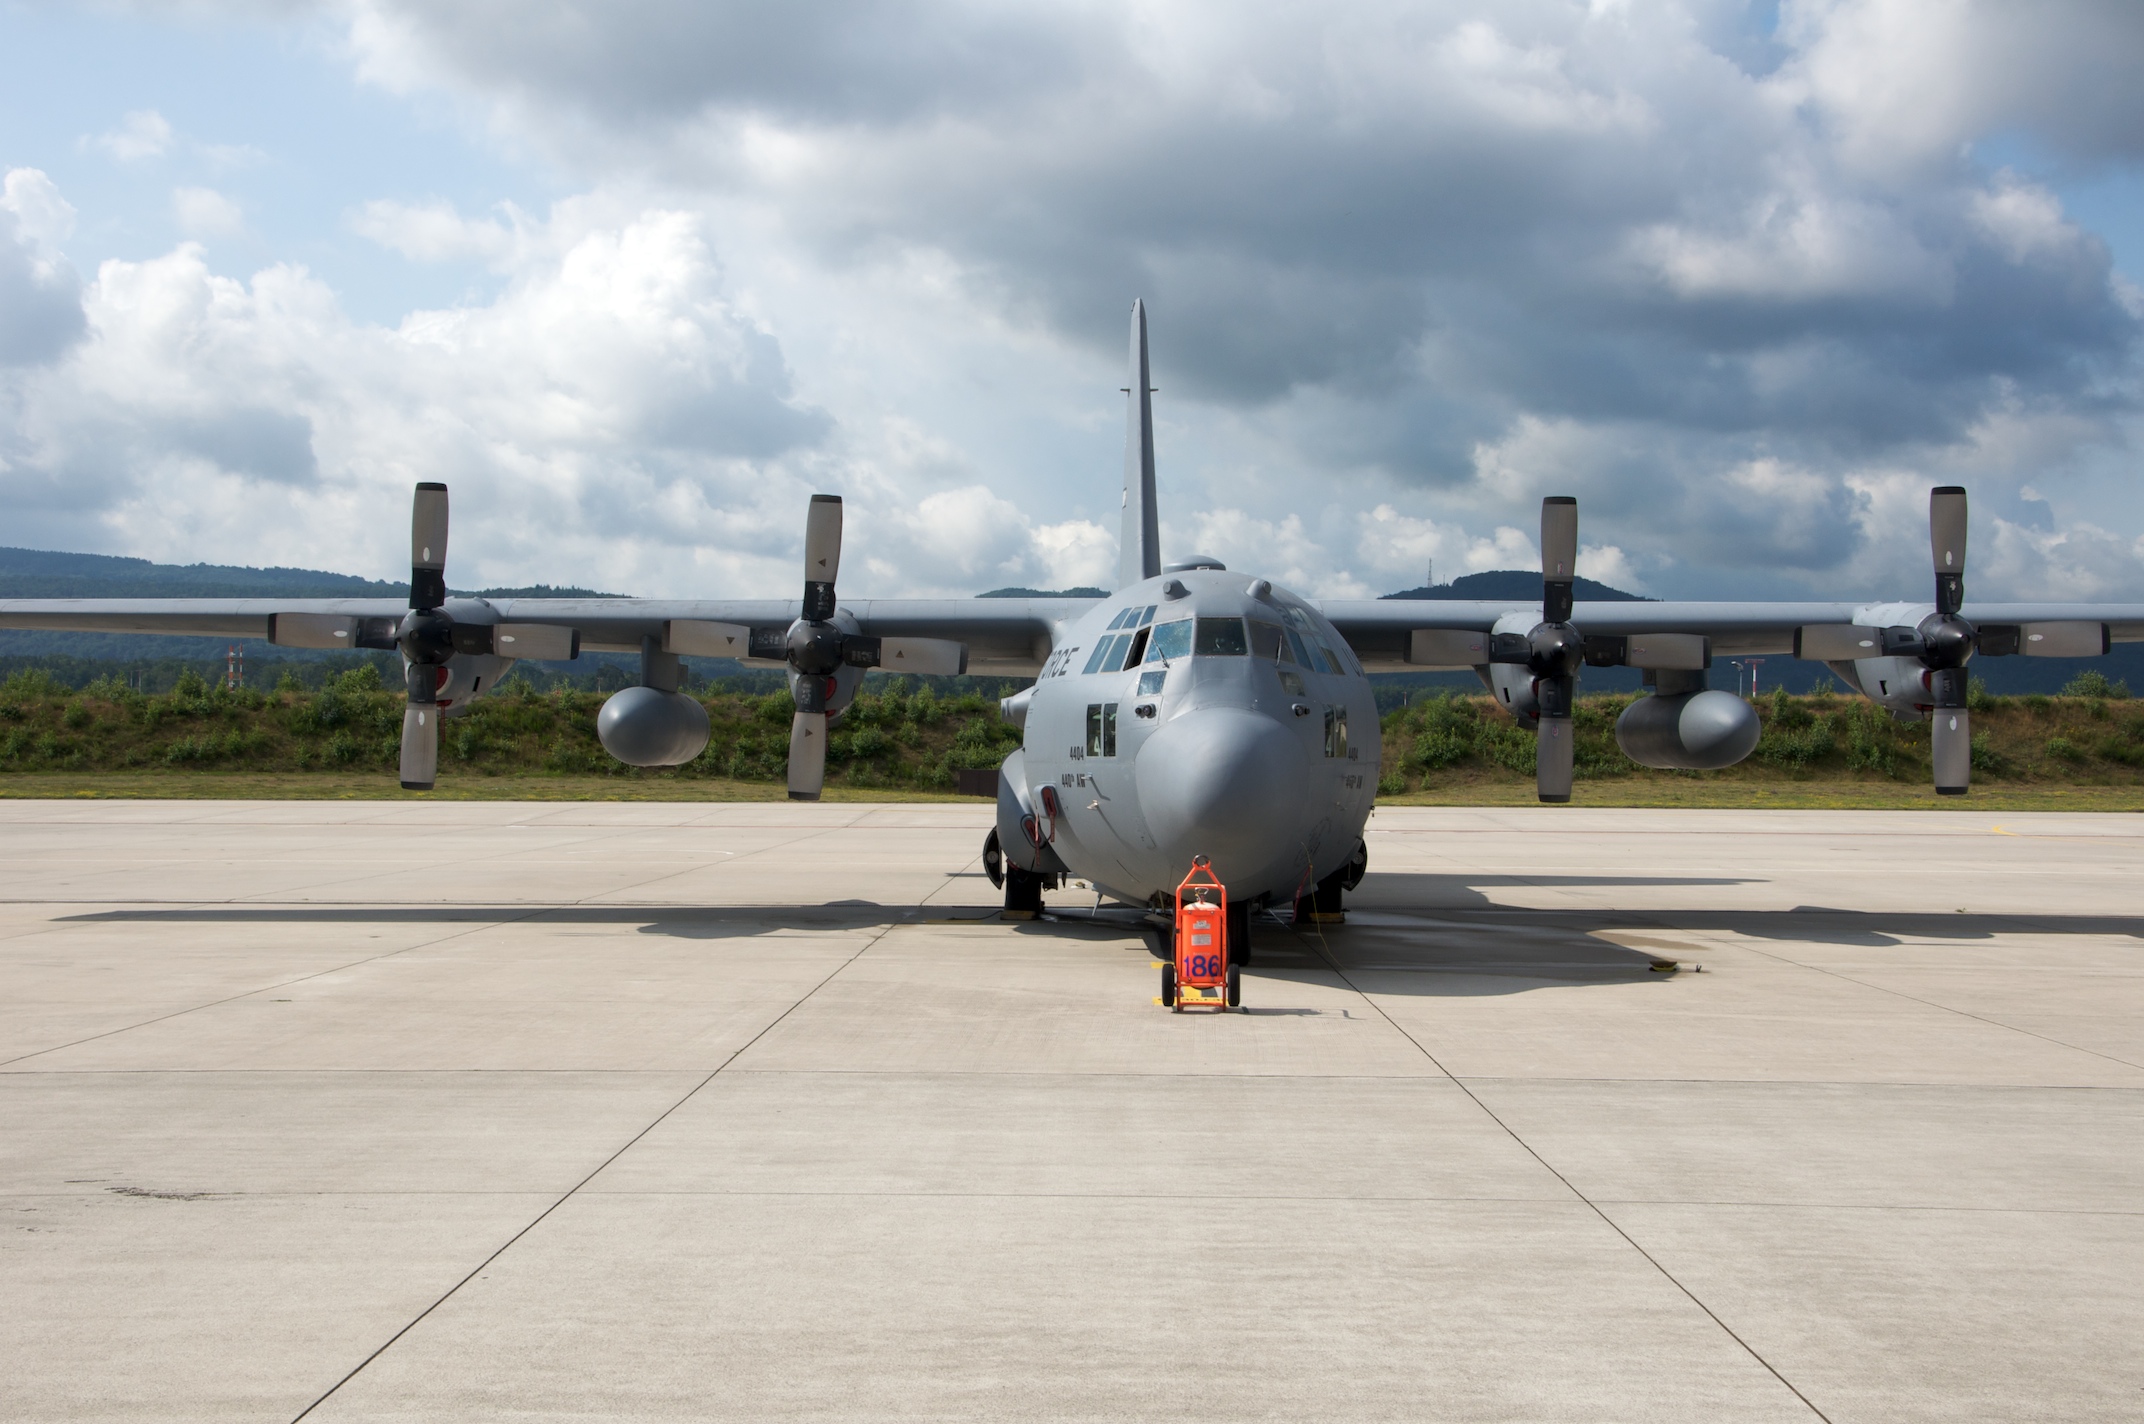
(45, 573)
(1518, 585)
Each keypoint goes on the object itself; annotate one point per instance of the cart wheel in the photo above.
(1235, 986)
(1168, 985)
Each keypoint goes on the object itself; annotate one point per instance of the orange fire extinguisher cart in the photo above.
(1201, 975)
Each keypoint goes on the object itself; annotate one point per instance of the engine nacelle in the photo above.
(1688, 731)
(641, 726)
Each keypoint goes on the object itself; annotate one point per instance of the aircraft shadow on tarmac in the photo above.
(1413, 934)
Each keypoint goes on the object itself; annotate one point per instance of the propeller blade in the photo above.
(940, 656)
(1553, 757)
(1678, 652)
(543, 642)
(695, 638)
(1946, 540)
(807, 755)
(1447, 648)
(822, 556)
(428, 547)
(420, 729)
(807, 739)
(1559, 556)
(312, 630)
(420, 747)
(1837, 642)
(2063, 640)
(1951, 737)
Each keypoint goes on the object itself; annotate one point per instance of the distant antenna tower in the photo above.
(234, 667)
(1432, 573)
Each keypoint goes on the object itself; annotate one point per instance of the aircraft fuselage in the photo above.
(1202, 712)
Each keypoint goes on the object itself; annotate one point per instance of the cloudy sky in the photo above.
(637, 277)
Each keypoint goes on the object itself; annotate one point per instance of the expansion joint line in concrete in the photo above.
(1940, 1008)
(265, 988)
(1325, 952)
(575, 1189)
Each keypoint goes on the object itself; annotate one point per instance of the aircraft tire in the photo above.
(1023, 890)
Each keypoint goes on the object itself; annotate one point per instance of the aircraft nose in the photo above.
(1229, 784)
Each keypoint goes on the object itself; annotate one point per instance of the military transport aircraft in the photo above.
(1194, 711)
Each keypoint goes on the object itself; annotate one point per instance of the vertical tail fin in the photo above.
(1139, 557)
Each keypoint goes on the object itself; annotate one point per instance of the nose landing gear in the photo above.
(1322, 905)
(1023, 888)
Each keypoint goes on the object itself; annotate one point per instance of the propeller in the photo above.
(1552, 651)
(1942, 643)
(1555, 649)
(1947, 643)
(426, 636)
(816, 648)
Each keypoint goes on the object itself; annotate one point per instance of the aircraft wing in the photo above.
(1008, 636)
(1381, 631)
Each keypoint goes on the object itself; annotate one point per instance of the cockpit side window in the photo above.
(1138, 652)
(1169, 640)
(1295, 645)
(1266, 641)
(1220, 638)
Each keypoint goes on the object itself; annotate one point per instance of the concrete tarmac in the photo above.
(472, 1111)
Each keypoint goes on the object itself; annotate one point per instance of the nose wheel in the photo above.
(1023, 892)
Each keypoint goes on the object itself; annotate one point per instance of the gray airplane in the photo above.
(1194, 711)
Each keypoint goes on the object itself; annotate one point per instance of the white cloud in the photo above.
(142, 134)
(2024, 219)
(204, 212)
(40, 295)
(1411, 264)
(436, 232)
(41, 216)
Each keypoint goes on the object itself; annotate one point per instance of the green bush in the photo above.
(1788, 713)
(1812, 743)
(2093, 683)
(1440, 747)
(1871, 740)
(2126, 750)
(2064, 749)
(1391, 784)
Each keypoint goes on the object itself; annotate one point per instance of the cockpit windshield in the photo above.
(1220, 638)
(1169, 640)
(1199, 637)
